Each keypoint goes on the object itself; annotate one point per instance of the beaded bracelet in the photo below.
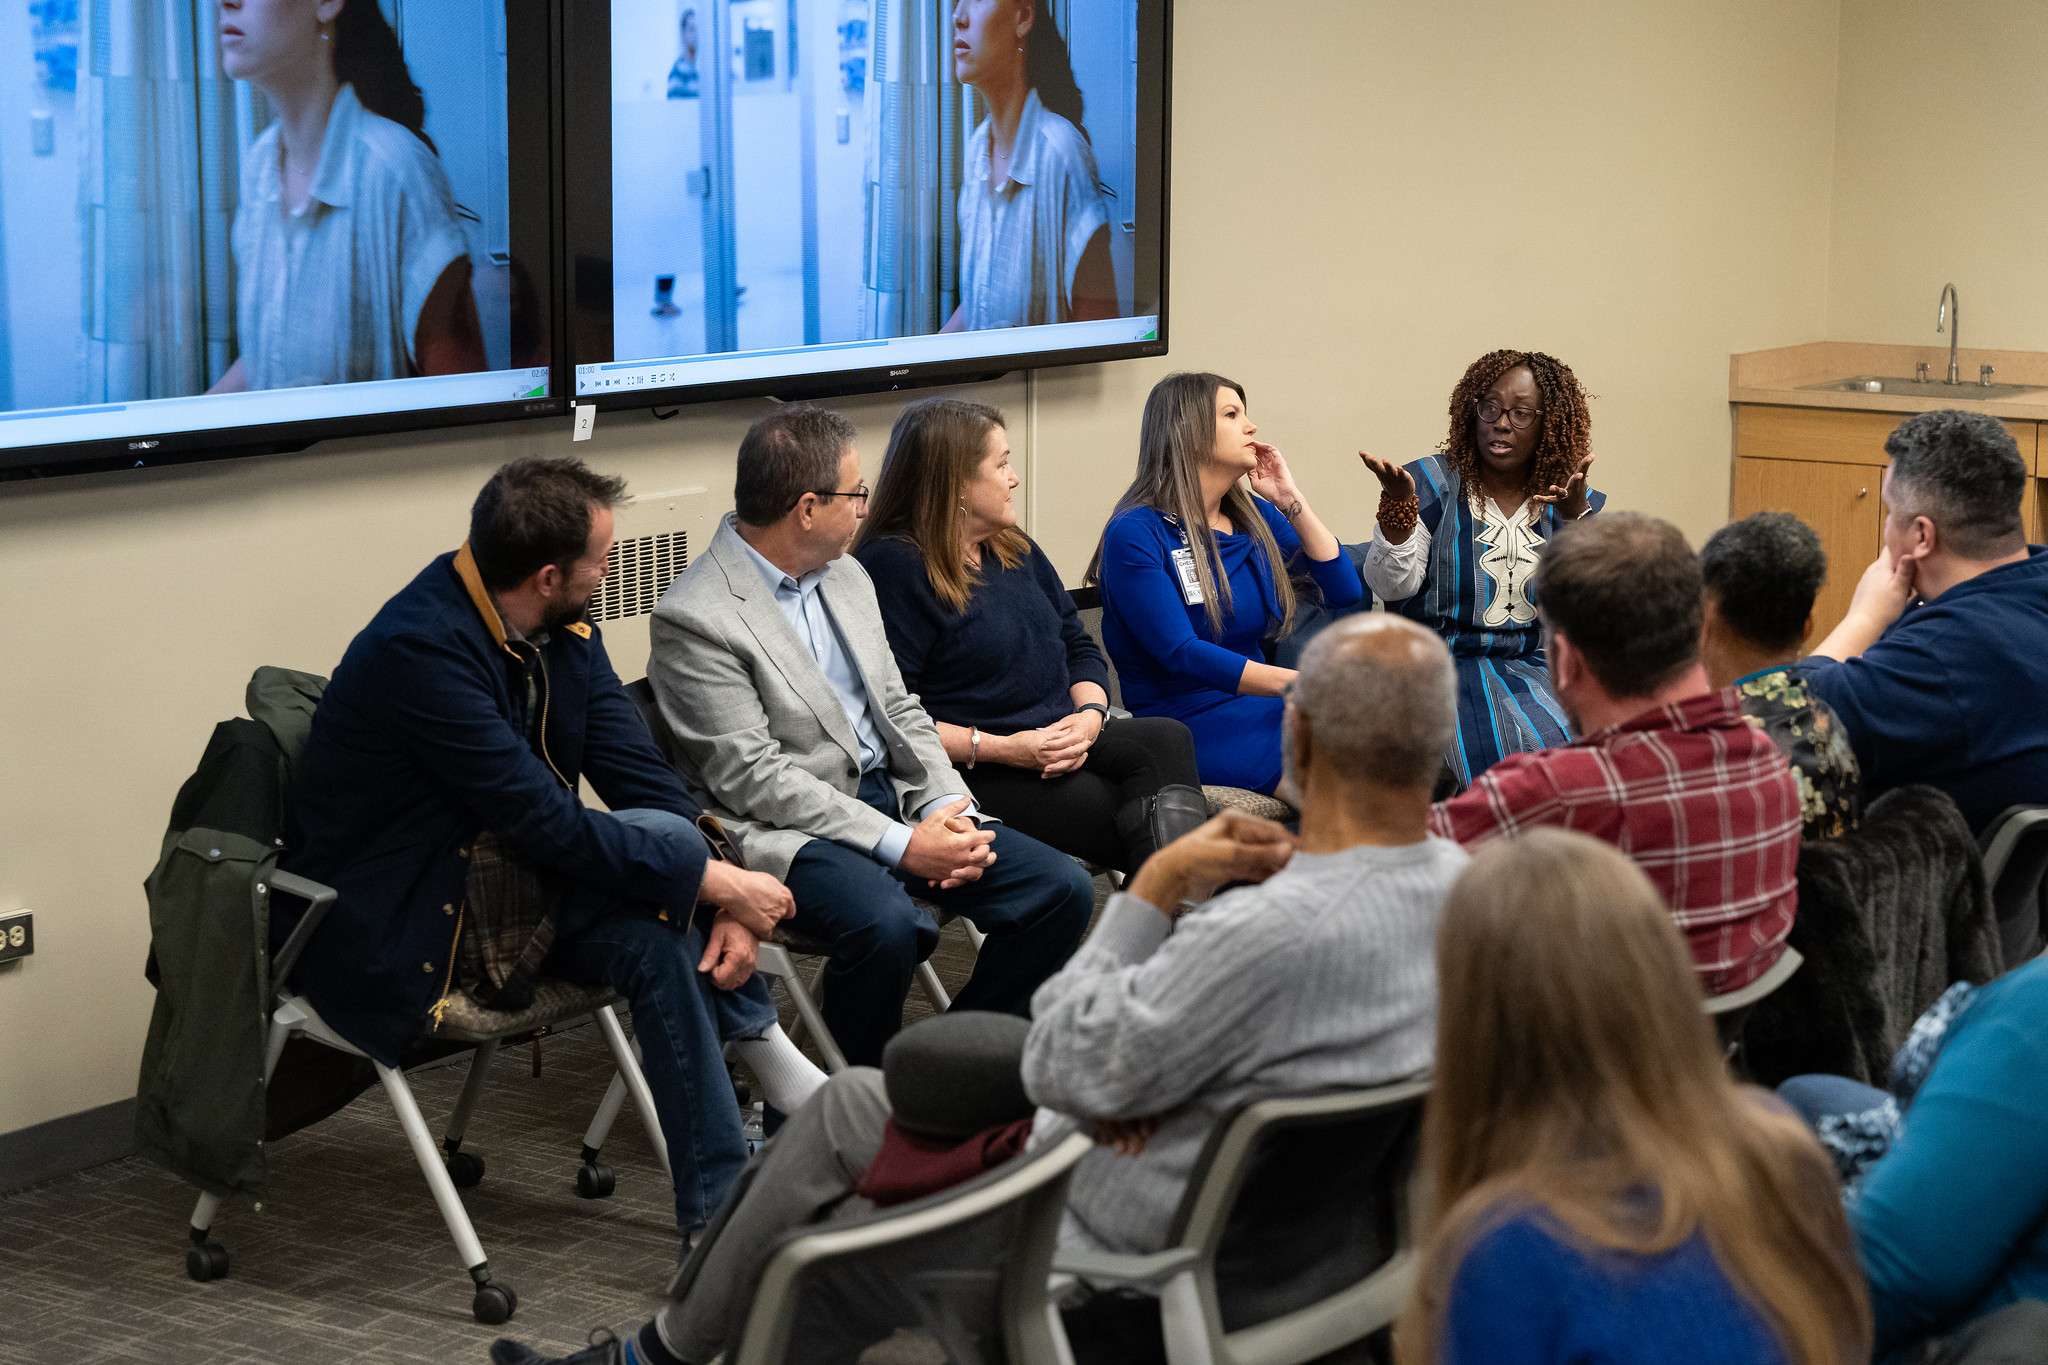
(1399, 515)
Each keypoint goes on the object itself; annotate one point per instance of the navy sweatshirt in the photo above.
(1006, 662)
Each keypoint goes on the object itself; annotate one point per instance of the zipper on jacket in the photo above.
(547, 692)
(454, 945)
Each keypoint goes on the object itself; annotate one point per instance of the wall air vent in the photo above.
(642, 568)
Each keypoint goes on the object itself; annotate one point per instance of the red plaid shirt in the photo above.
(1696, 795)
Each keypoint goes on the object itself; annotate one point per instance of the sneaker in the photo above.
(604, 1349)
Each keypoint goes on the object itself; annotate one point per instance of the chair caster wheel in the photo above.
(494, 1303)
(466, 1169)
(206, 1261)
(594, 1180)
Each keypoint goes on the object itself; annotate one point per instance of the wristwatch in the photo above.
(1093, 706)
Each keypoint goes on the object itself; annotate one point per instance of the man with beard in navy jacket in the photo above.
(471, 705)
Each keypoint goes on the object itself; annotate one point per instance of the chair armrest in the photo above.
(319, 900)
(1107, 1268)
(1118, 713)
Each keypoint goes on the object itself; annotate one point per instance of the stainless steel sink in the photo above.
(1923, 388)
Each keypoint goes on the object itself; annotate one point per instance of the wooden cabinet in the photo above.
(1824, 466)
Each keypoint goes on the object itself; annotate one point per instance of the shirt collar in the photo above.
(1707, 711)
(1760, 673)
(776, 578)
(335, 175)
(1024, 151)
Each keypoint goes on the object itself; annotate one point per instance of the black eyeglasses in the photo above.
(1519, 418)
(859, 494)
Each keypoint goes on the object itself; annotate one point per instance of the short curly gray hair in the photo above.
(1381, 697)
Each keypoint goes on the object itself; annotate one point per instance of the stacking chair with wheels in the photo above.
(462, 1026)
(2016, 867)
(967, 1266)
(1294, 1239)
(1088, 605)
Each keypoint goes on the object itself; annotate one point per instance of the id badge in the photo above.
(1190, 582)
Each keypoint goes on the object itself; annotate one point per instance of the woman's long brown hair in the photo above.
(1565, 436)
(1175, 441)
(934, 451)
(1576, 1072)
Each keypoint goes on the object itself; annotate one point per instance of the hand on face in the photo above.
(1885, 590)
(1272, 480)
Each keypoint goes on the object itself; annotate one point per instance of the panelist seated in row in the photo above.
(1457, 536)
(462, 717)
(987, 637)
(774, 674)
(1194, 570)
(1315, 969)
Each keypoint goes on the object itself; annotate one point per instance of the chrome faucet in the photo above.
(1950, 312)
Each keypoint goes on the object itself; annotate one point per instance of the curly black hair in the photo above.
(1566, 433)
(1764, 573)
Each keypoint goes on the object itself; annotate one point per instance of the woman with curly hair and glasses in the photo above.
(1458, 534)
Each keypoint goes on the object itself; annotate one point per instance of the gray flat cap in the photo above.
(955, 1074)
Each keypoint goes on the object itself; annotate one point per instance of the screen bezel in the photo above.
(586, 273)
(533, 186)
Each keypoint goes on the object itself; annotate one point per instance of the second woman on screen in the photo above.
(987, 637)
(1194, 568)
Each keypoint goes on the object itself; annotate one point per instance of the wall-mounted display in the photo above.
(803, 197)
(232, 225)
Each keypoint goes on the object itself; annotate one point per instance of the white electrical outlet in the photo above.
(17, 935)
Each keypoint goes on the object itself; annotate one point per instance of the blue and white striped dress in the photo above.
(1475, 591)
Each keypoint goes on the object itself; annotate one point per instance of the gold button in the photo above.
(427, 967)
(447, 909)
(462, 853)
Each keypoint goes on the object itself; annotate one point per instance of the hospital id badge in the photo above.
(1190, 581)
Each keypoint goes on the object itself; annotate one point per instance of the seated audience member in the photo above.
(468, 708)
(1934, 668)
(987, 638)
(774, 675)
(1951, 1215)
(1762, 574)
(1664, 768)
(1194, 574)
(1179, 1006)
(1457, 536)
(1605, 1191)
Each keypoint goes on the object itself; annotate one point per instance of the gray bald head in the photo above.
(1381, 697)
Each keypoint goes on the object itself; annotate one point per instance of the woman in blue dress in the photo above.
(1194, 571)
(1458, 535)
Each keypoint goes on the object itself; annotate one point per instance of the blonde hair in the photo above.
(1175, 441)
(935, 449)
(1576, 1073)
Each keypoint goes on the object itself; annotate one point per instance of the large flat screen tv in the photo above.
(805, 197)
(243, 225)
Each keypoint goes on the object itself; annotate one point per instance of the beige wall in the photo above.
(1367, 196)
(1941, 119)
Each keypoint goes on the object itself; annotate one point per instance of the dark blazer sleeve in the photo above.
(625, 768)
(909, 607)
(441, 709)
(1084, 659)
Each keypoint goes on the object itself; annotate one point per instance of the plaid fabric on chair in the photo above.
(507, 928)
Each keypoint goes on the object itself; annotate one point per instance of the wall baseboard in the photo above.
(44, 1151)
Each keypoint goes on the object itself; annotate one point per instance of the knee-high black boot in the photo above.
(1151, 823)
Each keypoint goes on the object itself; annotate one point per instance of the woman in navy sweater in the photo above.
(1195, 571)
(1607, 1194)
(987, 637)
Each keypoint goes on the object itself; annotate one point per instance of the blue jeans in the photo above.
(681, 1020)
(1033, 904)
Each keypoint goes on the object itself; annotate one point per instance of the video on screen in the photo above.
(245, 197)
(791, 173)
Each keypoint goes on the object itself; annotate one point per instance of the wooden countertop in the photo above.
(1776, 377)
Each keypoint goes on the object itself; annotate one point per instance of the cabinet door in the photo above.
(1840, 502)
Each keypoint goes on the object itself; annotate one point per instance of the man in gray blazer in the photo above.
(775, 676)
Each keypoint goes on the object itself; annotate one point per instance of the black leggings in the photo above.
(1076, 812)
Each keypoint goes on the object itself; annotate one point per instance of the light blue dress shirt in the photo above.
(804, 607)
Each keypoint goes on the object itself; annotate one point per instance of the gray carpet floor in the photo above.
(347, 1260)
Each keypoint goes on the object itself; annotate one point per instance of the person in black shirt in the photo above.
(987, 637)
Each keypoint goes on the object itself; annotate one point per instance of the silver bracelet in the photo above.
(973, 745)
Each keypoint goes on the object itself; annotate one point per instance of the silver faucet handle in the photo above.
(1920, 372)
(1984, 373)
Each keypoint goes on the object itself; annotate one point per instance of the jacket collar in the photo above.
(480, 598)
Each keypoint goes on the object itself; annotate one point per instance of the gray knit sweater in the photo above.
(1323, 976)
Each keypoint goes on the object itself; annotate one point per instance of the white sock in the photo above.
(786, 1075)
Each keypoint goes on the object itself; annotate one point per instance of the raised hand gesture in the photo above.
(1570, 499)
(1395, 481)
